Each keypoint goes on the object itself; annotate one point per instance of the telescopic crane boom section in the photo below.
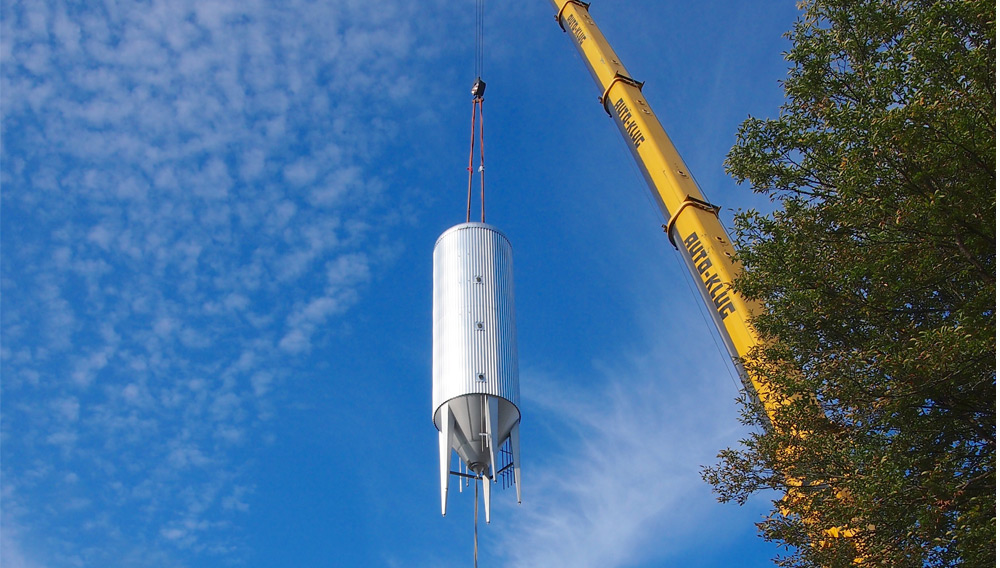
(693, 224)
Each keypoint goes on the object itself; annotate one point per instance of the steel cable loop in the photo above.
(472, 153)
(482, 161)
(477, 112)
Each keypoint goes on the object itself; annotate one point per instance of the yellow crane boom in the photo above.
(693, 224)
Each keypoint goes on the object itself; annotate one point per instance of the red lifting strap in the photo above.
(477, 110)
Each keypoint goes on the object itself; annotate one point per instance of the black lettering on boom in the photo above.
(629, 125)
(717, 291)
(575, 28)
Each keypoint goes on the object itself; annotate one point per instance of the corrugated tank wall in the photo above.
(475, 336)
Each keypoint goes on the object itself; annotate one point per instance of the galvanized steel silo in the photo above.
(475, 373)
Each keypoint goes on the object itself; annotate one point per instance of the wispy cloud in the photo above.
(10, 542)
(624, 488)
(186, 202)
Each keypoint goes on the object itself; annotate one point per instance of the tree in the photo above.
(878, 276)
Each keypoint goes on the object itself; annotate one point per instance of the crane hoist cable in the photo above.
(478, 90)
(480, 21)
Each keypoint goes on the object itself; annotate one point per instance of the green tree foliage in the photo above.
(878, 273)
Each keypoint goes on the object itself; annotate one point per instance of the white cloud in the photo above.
(65, 439)
(627, 471)
(13, 554)
(87, 367)
(295, 341)
(347, 270)
(261, 382)
(158, 269)
(301, 172)
(67, 408)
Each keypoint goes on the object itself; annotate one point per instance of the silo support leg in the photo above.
(492, 427)
(444, 446)
(486, 497)
(515, 450)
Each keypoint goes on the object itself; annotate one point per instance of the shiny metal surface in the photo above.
(475, 336)
(475, 372)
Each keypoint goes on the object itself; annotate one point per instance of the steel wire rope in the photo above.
(702, 309)
(643, 186)
(477, 108)
(480, 26)
(477, 112)
(712, 326)
(472, 153)
(475, 531)
(482, 162)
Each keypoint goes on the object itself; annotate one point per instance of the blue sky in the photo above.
(217, 225)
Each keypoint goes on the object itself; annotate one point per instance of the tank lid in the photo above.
(463, 226)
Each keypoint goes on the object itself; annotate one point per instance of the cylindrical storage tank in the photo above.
(475, 376)
(475, 337)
